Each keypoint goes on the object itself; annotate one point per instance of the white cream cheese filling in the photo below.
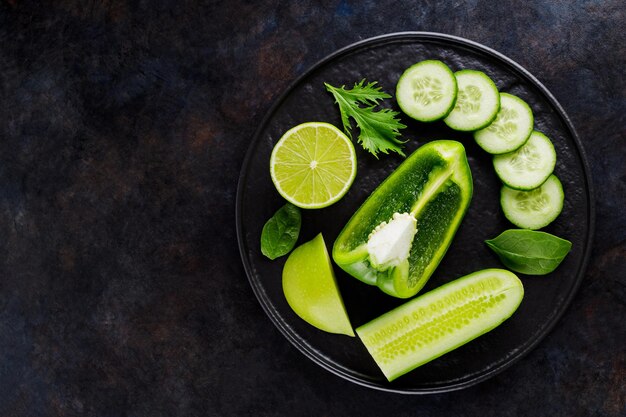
(389, 244)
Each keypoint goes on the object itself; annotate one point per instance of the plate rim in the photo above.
(280, 323)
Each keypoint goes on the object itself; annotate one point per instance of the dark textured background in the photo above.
(123, 127)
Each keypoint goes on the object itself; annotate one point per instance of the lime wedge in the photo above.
(311, 289)
(313, 165)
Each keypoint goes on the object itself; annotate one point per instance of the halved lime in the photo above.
(313, 165)
(311, 289)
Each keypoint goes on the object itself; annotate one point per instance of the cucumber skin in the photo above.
(402, 311)
(518, 188)
(396, 194)
(438, 117)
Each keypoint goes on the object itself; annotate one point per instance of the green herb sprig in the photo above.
(379, 129)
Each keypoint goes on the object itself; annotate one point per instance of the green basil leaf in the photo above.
(281, 231)
(530, 252)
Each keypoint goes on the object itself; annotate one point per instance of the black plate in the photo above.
(546, 297)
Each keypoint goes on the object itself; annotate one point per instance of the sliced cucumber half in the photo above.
(441, 320)
(529, 166)
(510, 129)
(427, 91)
(536, 208)
(477, 101)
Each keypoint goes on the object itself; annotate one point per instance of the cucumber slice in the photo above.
(427, 91)
(529, 166)
(536, 208)
(477, 102)
(510, 129)
(441, 320)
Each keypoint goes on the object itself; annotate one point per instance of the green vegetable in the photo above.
(441, 320)
(379, 130)
(427, 91)
(510, 129)
(529, 166)
(281, 231)
(530, 252)
(477, 103)
(535, 208)
(396, 239)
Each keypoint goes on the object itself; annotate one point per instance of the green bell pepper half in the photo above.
(434, 184)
